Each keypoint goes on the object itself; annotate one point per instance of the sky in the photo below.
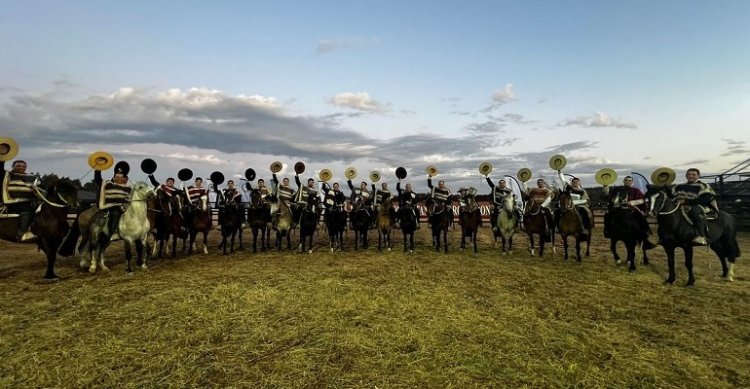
(230, 85)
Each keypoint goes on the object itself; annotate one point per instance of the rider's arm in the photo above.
(489, 182)
(562, 179)
(98, 177)
(351, 186)
(296, 179)
(429, 182)
(153, 181)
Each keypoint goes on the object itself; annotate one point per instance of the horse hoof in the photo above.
(92, 270)
(631, 270)
(389, 249)
(51, 280)
(331, 249)
(144, 267)
(130, 274)
(618, 262)
(668, 282)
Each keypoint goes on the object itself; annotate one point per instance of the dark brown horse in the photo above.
(470, 222)
(675, 231)
(50, 224)
(259, 216)
(170, 222)
(440, 219)
(200, 222)
(384, 224)
(570, 223)
(536, 224)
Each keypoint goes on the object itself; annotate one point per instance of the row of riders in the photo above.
(21, 199)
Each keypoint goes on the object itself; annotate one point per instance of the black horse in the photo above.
(336, 224)
(50, 224)
(440, 219)
(169, 222)
(470, 222)
(230, 220)
(675, 231)
(407, 216)
(624, 227)
(259, 216)
(308, 223)
(361, 221)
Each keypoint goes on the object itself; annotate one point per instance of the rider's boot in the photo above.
(24, 222)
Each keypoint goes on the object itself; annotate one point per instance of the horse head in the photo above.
(660, 200)
(141, 192)
(509, 203)
(64, 191)
(203, 203)
(565, 199)
(256, 200)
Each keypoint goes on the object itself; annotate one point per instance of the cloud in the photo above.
(599, 120)
(735, 147)
(504, 96)
(328, 45)
(360, 101)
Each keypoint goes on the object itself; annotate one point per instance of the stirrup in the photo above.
(27, 236)
(699, 241)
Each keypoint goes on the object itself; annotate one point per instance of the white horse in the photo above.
(133, 229)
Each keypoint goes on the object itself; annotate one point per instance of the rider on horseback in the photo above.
(498, 195)
(696, 197)
(440, 196)
(304, 193)
(381, 195)
(362, 197)
(631, 196)
(194, 194)
(465, 199)
(19, 198)
(283, 192)
(333, 198)
(580, 201)
(113, 196)
(541, 196)
(407, 198)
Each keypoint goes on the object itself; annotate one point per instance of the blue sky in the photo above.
(228, 85)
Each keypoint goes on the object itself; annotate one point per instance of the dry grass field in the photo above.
(370, 319)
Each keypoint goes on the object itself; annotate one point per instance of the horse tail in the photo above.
(67, 248)
(730, 236)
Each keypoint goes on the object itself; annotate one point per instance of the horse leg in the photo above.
(128, 255)
(531, 242)
(463, 238)
(613, 249)
(445, 239)
(689, 264)
(588, 245)
(578, 249)
(670, 263)
(474, 240)
(630, 246)
(174, 245)
(49, 246)
(255, 239)
(645, 256)
(565, 245)
(141, 251)
(193, 236)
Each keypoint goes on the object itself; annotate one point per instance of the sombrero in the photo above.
(524, 174)
(299, 167)
(557, 162)
(148, 166)
(101, 160)
(606, 176)
(350, 173)
(325, 175)
(250, 174)
(276, 167)
(400, 173)
(485, 168)
(663, 176)
(185, 174)
(8, 148)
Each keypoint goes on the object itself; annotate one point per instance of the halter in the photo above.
(569, 206)
(531, 208)
(663, 203)
(42, 197)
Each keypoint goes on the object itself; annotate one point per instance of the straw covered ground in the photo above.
(369, 319)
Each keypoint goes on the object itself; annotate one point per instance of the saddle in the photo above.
(707, 213)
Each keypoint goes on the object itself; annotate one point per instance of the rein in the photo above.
(42, 197)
